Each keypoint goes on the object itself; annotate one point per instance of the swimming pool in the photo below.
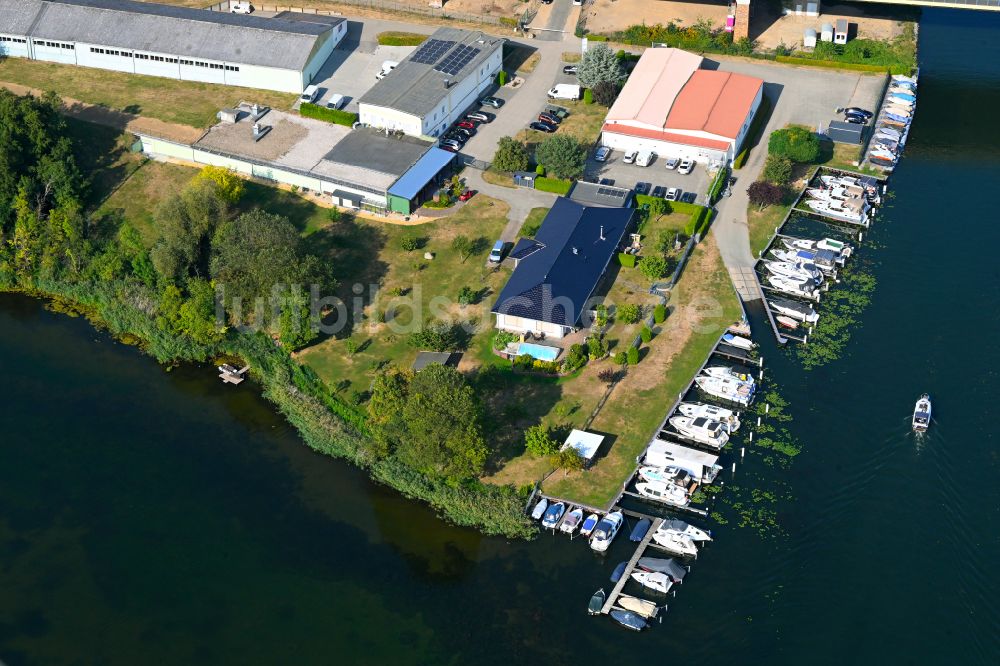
(541, 352)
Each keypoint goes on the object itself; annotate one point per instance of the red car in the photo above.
(467, 124)
(466, 195)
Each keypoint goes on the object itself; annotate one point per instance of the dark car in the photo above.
(495, 102)
(449, 147)
(855, 111)
(642, 188)
(543, 127)
(465, 131)
(659, 191)
(689, 197)
(570, 69)
(857, 120)
(460, 139)
(548, 118)
(606, 181)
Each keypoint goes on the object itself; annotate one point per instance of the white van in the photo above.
(565, 91)
(387, 67)
(336, 101)
(309, 95)
(241, 8)
(644, 158)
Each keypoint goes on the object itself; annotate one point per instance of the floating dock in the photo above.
(626, 576)
(232, 375)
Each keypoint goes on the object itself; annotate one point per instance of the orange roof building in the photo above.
(672, 107)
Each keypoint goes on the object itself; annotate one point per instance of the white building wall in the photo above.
(162, 148)
(49, 51)
(15, 46)
(737, 145)
(321, 54)
(104, 57)
(382, 117)
(662, 149)
(522, 325)
(268, 78)
(156, 64)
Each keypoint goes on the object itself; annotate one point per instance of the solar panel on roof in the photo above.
(454, 62)
(431, 50)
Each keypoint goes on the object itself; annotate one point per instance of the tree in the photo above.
(600, 64)
(659, 313)
(658, 208)
(568, 459)
(538, 441)
(510, 155)
(388, 395)
(588, 96)
(187, 220)
(296, 325)
(228, 182)
(778, 169)
(562, 155)
(606, 92)
(646, 334)
(763, 194)
(464, 246)
(799, 144)
(653, 266)
(629, 313)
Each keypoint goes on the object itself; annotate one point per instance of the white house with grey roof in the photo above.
(435, 85)
(173, 42)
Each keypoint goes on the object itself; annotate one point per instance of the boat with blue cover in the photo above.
(640, 529)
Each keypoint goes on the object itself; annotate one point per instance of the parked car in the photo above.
(544, 117)
(336, 101)
(644, 158)
(309, 95)
(241, 8)
(642, 188)
(466, 124)
(449, 147)
(570, 69)
(495, 102)
(543, 127)
(857, 120)
(387, 66)
(450, 143)
(606, 181)
(558, 112)
(672, 162)
(456, 138)
(466, 195)
(673, 194)
(465, 131)
(602, 154)
(659, 191)
(629, 157)
(689, 197)
(496, 254)
(479, 116)
(686, 167)
(855, 111)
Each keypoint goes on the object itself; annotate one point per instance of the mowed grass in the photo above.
(700, 308)
(761, 225)
(405, 289)
(584, 123)
(183, 102)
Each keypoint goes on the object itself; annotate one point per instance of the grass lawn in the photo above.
(571, 57)
(761, 224)
(701, 306)
(584, 122)
(842, 156)
(400, 38)
(182, 102)
(501, 178)
(534, 221)
(103, 156)
(405, 288)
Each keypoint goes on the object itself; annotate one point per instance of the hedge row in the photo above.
(401, 39)
(335, 116)
(554, 185)
(834, 64)
(716, 189)
(699, 222)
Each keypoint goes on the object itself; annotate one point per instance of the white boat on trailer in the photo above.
(726, 417)
(701, 430)
(922, 414)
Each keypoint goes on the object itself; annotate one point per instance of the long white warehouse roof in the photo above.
(178, 31)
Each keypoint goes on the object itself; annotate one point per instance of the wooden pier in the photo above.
(231, 374)
(626, 576)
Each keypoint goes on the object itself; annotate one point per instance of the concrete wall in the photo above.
(522, 325)
(380, 116)
(14, 46)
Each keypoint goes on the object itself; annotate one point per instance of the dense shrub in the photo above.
(715, 189)
(659, 313)
(575, 359)
(538, 441)
(562, 156)
(510, 155)
(646, 334)
(653, 266)
(626, 260)
(335, 116)
(763, 194)
(799, 144)
(633, 355)
(629, 313)
(620, 358)
(502, 338)
(778, 169)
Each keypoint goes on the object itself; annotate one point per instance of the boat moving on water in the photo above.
(922, 414)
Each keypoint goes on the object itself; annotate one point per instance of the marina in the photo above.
(891, 127)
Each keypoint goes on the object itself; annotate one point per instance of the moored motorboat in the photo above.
(702, 430)
(639, 531)
(794, 271)
(798, 311)
(589, 524)
(804, 288)
(646, 609)
(840, 210)
(726, 417)
(841, 248)
(674, 569)
(889, 132)
(654, 580)
(738, 341)
(825, 260)
(786, 322)
(628, 619)
(669, 474)
(678, 526)
(553, 514)
(725, 371)
(572, 521)
(596, 604)
(606, 531)
(726, 388)
(922, 414)
(619, 571)
(675, 543)
(668, 493)
(539, 509)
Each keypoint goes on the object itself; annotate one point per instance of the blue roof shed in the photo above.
(417, 177)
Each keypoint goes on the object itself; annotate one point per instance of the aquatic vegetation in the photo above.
(843, 307)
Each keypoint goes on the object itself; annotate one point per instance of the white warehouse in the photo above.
(173, 42)
(433, 86)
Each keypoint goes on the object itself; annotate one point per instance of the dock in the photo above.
(626, 576)
(230, 374)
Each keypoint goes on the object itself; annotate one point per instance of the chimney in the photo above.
(447, 84)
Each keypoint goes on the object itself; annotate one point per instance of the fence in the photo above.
(383, 5)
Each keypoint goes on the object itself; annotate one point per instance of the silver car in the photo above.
(673, 194)
(686, 167)
(672, 162)
(602, 154)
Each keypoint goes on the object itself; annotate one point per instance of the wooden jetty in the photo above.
(626, 576)
(230, 374)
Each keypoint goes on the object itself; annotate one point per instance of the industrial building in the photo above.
(168, 41)
(361, 169)
(435, 84)
(674, 108)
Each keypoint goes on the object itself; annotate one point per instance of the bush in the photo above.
(510, 155)
(715, 190)
(597, 347)
(608, 375)
(438, 337)
(539, 170)
(763, 194)
(798, 144)
(466, 295)
(633, 355)
(568, 459)
(660, 313)
(653, 267)
(575, 359)
(601, 316)
(646, 334)
(606, 92)
(538, 441)
(778, 169)
(588, 96)
(629, 313)
(336, 116)
(409, 243)
(501, 78)
(392, 38)
(554, 185)
(502, 338)
(626, 260)
(620, 358)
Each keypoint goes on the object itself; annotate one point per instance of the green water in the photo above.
(153, 517)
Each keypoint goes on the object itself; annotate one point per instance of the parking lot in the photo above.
(656, 174)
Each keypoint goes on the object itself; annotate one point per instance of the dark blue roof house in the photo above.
(556, 273)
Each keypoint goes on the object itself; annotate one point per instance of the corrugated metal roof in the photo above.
(421, 173)
(653, 85)
(715, 102)
(417, 88)
(179, 31)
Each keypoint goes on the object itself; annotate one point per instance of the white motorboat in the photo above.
(841, 211)
(606, 531)
(726, 417)
(843, 249)
(723, 371)
(668, 493)
(922, 414)
(726, 388)
(738, 341)
(539, 509)
(675, 543)
(669, 474)
(552, 515)
(572, 521)
(654, 580)
(786, 322)
(646, 609)
(702, 430)
(589, 524)
(912, 80)
(803, 288)
(799, 270)
(825, 260)
(678, 526)
(795, 310)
